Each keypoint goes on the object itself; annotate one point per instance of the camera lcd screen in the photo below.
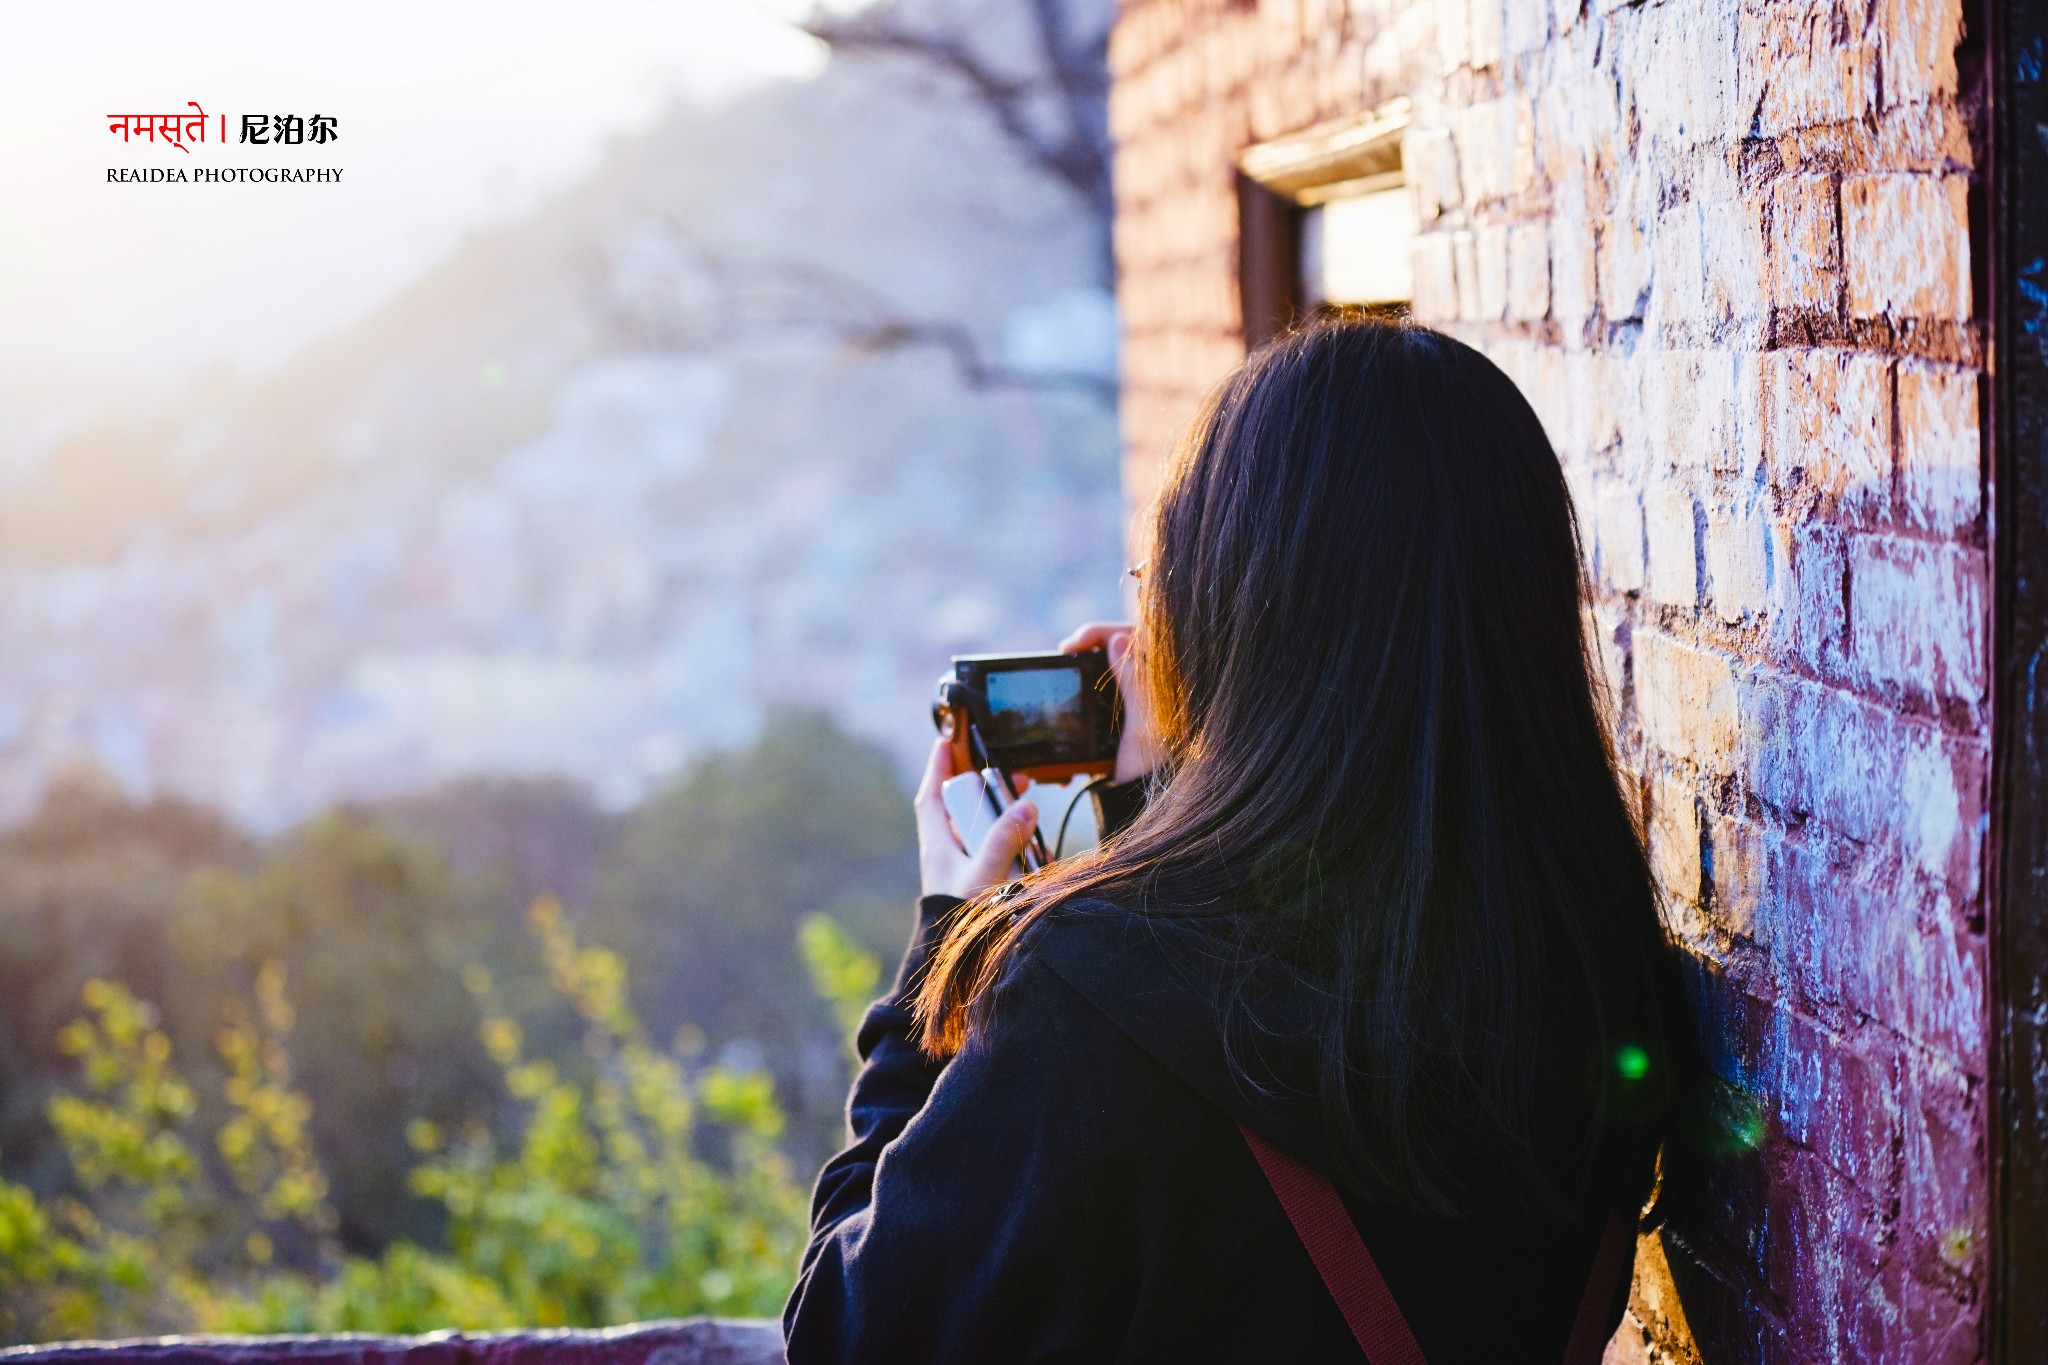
(1037, 706)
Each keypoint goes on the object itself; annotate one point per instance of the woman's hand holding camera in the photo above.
(945, 867)
(1138, 752)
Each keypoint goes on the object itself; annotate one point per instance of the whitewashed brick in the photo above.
(1491, 243)
(1805, 64)
(1527, 27)
(1572, 280)
(1738, 553)
(1701, 409)
(1671, 537)
(1831, 425)
(1465, 257)
(1735, 287)
(1906, 245)
(1487, 30)
(1858, 768)
(1529, 272)
(1626, 261)
(1674, 849)
(1686, 698)
(1940, 451)
(1453, 32)
(1679, 273)
(1917, 615)
(1918, 39)
(1429, 160)
(1680, 62)
(1618, 538)
(1805, 266)
(1436, 278)
(1486, 150)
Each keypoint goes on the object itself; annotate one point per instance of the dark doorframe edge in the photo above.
(1268, 262)
(2012, 230)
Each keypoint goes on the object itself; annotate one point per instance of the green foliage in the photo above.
(843, 973)
(373, 931)
(605, 1210)
(367, 1102)
(642, 1186)
(707, 884)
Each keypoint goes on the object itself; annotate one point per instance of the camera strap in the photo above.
(1326, 1230)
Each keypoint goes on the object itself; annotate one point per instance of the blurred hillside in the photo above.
(783, 404)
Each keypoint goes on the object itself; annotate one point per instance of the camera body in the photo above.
(1044, 716)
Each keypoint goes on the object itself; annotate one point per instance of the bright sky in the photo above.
(451, 113)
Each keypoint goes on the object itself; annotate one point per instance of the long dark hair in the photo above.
(1361, 632)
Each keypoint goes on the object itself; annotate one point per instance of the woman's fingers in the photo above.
(1094, 635)
(934, 826)
(1006, 839)
(938, 766)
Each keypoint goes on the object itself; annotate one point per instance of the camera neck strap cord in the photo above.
(1035, 856)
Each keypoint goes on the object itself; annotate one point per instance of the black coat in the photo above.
(1072, 1186)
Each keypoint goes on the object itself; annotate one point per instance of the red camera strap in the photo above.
(1326, 1230)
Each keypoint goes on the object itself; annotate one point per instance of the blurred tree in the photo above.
(373, 931)
(706, 888)
(598, 1205)
(88, 888)
(518, 837)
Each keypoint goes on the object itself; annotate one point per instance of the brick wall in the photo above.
(1723, 245)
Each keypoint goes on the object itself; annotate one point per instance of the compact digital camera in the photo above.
(1046, 716)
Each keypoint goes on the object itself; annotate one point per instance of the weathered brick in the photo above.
(1618, 538)
(1906, 246)
(1917, 615)
(1465, 257)
(1848, 935)
(1625, 258)
(1739, 558)
(1490, 242)
(1831, 428)
(1527, 27)
(1486, 150)
(1838, 1101)
(1805, 266)
(1943, 1207)
(1804, 63)
(1678, 279)
(1940, 451)
(1681, 65)
(1487, 32)
(1812, 608)
(1671, 537)
(1429, 159)
(1918, 39)
(1674, 848)
(1820, 752)
(1528, 285)
(1700, 410)
(1436, 278)
(1687, 699)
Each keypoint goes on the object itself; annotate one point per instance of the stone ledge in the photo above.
(683, 1341)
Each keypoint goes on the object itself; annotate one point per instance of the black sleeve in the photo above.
(956, 1227)
(893, 1082)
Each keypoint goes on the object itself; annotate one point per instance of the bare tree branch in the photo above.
(1073, 80)
(735, 298)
